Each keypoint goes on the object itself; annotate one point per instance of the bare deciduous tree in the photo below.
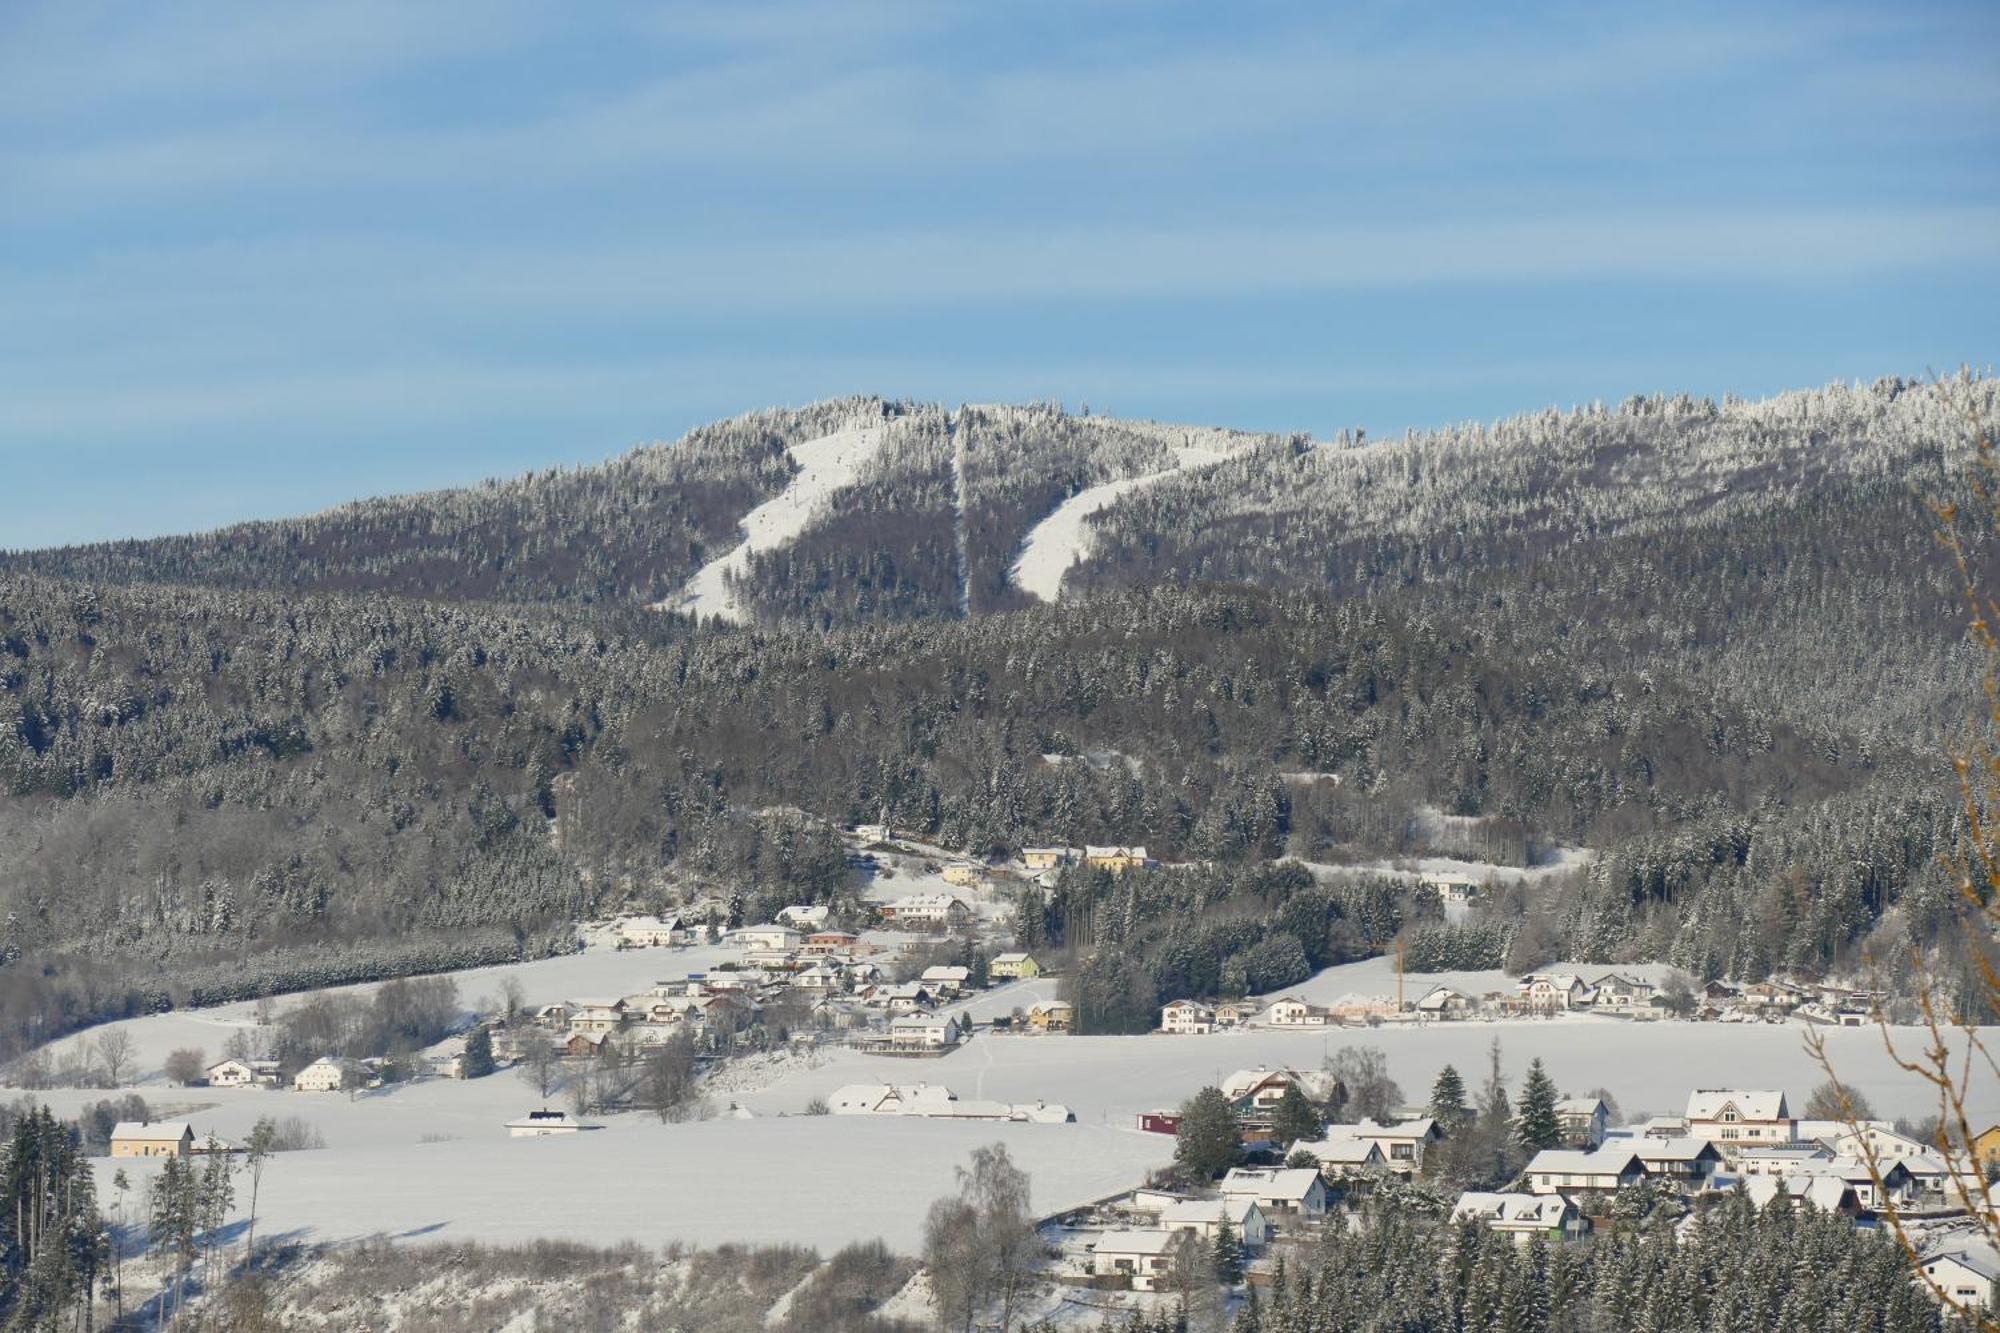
(114, 1049)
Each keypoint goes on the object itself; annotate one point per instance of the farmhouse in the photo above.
(327, 1074)
(651, 932)
(1186, 1018)
(1523, 1216)
(1733, 1118)
(1279, 1191)
(1547, 992)
(1051, 1016)
(1146, 1258)
(1615, 990)
(1117, 860)
(964, 874)
(243, 1074)
(152, 1138)
(1014, 967)
(1560, 1170)
(927, 911)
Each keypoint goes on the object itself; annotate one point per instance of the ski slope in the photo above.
(1065, 536)
(826, 466)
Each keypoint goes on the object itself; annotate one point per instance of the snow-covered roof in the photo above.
(1973, 1258)
(546, 1119)
(933, 902)
(1823, 1192)
(150, 1130)
(1749, 1104)
(1271, 1182)
(1540, 1210)
(1423, 1127)
(1149, 1241)
(1683, 1149)
(1015, 957)
(1341, 1150)
(1610, 1160)
(1243, 1081)
(944, 972)
(1102, 853)
(1207, 1212)
(1580, 1106)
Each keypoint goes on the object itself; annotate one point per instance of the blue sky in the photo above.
(258, 259)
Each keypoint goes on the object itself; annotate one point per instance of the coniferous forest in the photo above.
(1714, 644)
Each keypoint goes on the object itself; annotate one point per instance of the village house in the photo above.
(1453, 890)
(1049, 858)
(596, 1015)
(1522, 1216)
(1015, 966)
(1615, 990)
(1255, 1092)
(1969, 1275)
(822, 976)
(1051, 1016)
(1584, 1120)
(1773, 994)
(1779, 1159)
(928, 1032)
(152, 1138)
(1117, 860)
(1732, 1118)
(1829, 1194)
(947, 979)
(651, 932)
(1986, 1145)
(1234, 1013)
(927, 911)
(872, 832)
(1344, 1156)
(1187, 1018)
(906, 997)
(804, 917)
(964, 874)
(582, 1045)
(1551, 992)
(823, 942)
(1292, 1012)
(1204, 1217)
(1444, 1002)
(244, 1074)
(777, 939)
(1605, 1170)
(1146, 1258)
(1685, 1162)
(328, 1074)
(543, 1124)
(1281, 1191)
(1403, 1144)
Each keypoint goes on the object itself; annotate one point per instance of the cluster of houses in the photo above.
(1539, 994)
(329, 1073)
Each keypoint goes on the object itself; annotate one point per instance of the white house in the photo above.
(1187, 1018)
(243, 1074)
(1403, 1144)
(930, 1032)
(1292, 1012)
(871, 832)
(1562, 1170)
(1615, 990)
(1444, 1002)
(543, 1124)
(1687, 1162)
(1522, 1216)
(781, 939)
(1549, 991)
(651, 932)
(1583, 1120)
(1968, 1276)
(946, 979)
(927, 911)
(1279, 1191)
(1146, 1257)
(1734, 1118)
(327, 1074)
(1345, 1155)
(596, 1015)
(1257, 1091)
(804, 917)
(1204, 1218)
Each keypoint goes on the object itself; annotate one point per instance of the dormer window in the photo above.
(1729, 1117)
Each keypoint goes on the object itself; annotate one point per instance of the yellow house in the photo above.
(1047, 858)
(964, 874)
(1986, 1146)
(1018, 966)
(1050, 1016)
(152, 1138)
(1116, 859)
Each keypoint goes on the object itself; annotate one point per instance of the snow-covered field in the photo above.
(826, 465)
(1065, 536)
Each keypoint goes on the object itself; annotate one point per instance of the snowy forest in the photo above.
(1714, 644)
